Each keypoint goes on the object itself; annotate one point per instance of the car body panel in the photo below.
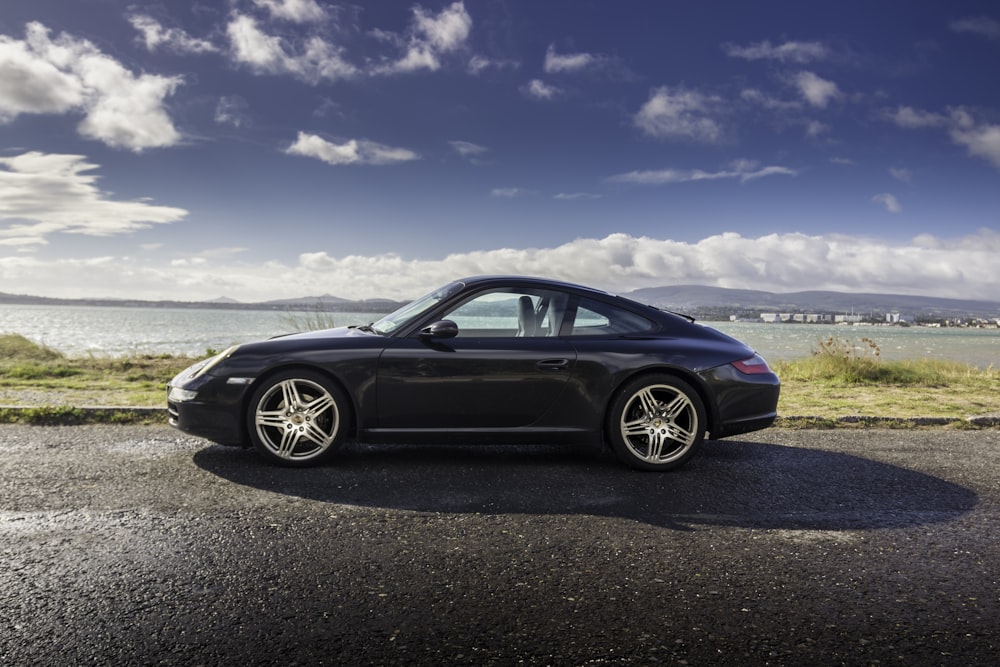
(487, 386)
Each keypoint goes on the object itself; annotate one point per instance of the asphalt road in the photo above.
(136, 545)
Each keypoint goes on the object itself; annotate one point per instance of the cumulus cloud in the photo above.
(567, 62)
(901, 174)
(932, 266)
(154, 36)
(317, 60)
(678, 113)
(430, 37)
(298, 11)
(508, 193)
(539, 90)
(42, 194)
(981, 25)
(791, 52)
(352, 152)
(980, 138)
(468, 150)
(65, 75)
(741, 170)
(890, 202)
(817, 91)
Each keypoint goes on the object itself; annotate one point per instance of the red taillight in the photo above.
(755, 365)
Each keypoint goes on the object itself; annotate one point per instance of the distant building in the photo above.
(896, 318)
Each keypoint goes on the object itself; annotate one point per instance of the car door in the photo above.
(505, 368)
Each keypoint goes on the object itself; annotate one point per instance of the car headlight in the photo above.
(178, 395)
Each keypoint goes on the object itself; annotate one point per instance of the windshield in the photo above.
(415, 309)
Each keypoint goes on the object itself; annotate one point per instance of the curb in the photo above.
(67, 415)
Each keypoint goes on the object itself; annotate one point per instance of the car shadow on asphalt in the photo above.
(729, 483)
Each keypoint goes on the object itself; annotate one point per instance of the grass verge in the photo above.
(842, 384)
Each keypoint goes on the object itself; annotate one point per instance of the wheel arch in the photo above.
(691, 378)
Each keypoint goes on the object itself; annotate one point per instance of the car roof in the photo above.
(532, 280)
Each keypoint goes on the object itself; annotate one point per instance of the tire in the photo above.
(297, 418)
(656, 422)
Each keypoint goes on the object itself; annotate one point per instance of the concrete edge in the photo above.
(97, 413)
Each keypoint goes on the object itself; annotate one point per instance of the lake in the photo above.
(111, 331)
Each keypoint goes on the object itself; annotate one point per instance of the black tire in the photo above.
(297, 418)
(656, 422)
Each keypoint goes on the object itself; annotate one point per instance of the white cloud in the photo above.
(121, 109)
(890, 202)
(981, 139)
(909, 117)
(355, 151)
(959, 268)
(793, 52)
(680, 114)
(571, 196)
(298, 11)
(234, 111)
(154, 35)
(42, 194)
(742, 170)
(567, 62)
(982, 25)
(755, 96)
(431, 36)
(539, 90)
(816, 90)
(468, 150)
(508, 193)
(901, 174)
(315, 61)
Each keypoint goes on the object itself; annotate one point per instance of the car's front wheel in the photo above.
(297, 418)
(656, 422)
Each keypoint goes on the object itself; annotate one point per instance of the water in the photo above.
(109, 331)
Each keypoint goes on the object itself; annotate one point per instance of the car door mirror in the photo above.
(441, 329)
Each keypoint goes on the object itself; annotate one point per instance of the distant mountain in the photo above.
(309, 303)
(699, 300)
(688, 298)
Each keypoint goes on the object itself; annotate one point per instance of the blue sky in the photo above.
(262, 149)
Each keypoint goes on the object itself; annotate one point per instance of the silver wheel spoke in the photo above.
(636, 427)
(272, 418)
(289, 438)
(649, 402)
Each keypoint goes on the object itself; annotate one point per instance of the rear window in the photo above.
(596, 318)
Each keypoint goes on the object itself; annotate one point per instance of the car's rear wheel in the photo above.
(656, 422)
(297, 418)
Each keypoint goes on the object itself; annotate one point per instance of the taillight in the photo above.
(754, 365)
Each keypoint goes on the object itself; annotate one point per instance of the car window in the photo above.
(596, 318)
(510, 313)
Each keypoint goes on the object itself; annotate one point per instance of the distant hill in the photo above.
(309, 303)
(704, 302)
(690, 298)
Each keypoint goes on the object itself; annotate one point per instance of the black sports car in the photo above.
(496, 359)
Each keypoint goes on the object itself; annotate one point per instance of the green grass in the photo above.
(841, 380)
(844, 378)
(49, 378)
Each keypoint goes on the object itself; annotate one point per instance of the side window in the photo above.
(595, 318)
(510, 313)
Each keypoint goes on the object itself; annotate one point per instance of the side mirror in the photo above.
(441, 329)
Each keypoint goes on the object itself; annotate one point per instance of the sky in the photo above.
(270, 149)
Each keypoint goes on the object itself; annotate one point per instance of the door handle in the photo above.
(552, 365)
